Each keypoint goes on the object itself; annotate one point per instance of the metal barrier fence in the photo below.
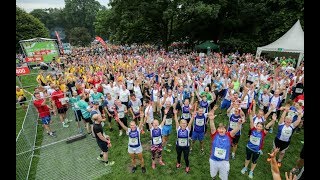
(25, 142)
(55, 159)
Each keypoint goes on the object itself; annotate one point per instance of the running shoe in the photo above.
(187, 169)
(109, 163)
(100, 158)
(169, 144)
(244, 170)
(250, 174)
(143, 169)
(161, 163)
(153, 165)
(271, 130)
(178, 165)
(133, 170)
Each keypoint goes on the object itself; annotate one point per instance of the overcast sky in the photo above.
(29, 5)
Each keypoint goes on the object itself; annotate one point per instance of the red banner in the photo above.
(60, 43)
(102, 42)
(22, 71)
(34, 58)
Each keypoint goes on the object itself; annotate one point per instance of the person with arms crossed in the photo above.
(103, 142)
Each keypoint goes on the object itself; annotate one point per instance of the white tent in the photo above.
(291, 42)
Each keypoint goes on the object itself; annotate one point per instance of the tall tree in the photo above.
(27, 27)
(79, 36)
(81, 13)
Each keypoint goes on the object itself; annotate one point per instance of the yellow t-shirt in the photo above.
(63, 88)
(41, 78)
(48, 78)
(20, 93)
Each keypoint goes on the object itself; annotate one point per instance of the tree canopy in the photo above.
(27, 27)
(232, 24)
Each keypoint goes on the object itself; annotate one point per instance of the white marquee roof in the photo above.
(291, 41)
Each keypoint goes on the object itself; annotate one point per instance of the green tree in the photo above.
(79, 36)
(27, 27)
(81, 13)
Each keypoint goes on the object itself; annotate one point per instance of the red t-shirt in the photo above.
(43, 110)
(300, 99)
(56, 96)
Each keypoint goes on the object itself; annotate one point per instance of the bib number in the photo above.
(233, 125)
(133, 141)
(185, 115)
(157, 140)
(255, 140)
(169, 121)
(199, 122)
(182, 142)
(220, 153)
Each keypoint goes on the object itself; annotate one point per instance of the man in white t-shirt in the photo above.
(124, 94)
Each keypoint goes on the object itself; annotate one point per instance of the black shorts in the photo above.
(112, 116)
(277, 113)
(265, 109)
(101, 109)
(250, 82)
(21, 102)
(245, 111)
(62, 110)
(281, 144)
(78, 115)
(103, 146)
(254, 155)
(178, 107)
(125, 103)
(88, 120)
(235, 140)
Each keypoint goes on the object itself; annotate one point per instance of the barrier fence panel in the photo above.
(57, 159)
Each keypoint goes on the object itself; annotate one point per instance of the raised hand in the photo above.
(175, 111)
(274, 116)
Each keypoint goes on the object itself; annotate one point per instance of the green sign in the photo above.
(280, 49)
(45, 49)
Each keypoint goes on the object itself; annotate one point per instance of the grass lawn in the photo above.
(199, 164)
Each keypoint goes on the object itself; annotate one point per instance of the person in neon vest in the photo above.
(220, 147)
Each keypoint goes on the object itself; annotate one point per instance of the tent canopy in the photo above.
(207, 45)
(291, 42)
(38, 39)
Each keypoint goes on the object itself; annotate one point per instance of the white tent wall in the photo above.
(291, 42)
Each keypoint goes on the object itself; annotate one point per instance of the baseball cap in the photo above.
(95, 103)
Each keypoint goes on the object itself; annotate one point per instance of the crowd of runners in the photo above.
(146, 91)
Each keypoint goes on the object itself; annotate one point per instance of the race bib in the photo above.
(255, 140)
(63, 101)
(121, 114)
(157, 140)
(76, 106)
(185, 115)
(233, 125)
(291, 113)
(299, 90)
(199, 122)
(182, 141)
(220, 153)
(169, 121)
(135, 109)
(133, 141)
